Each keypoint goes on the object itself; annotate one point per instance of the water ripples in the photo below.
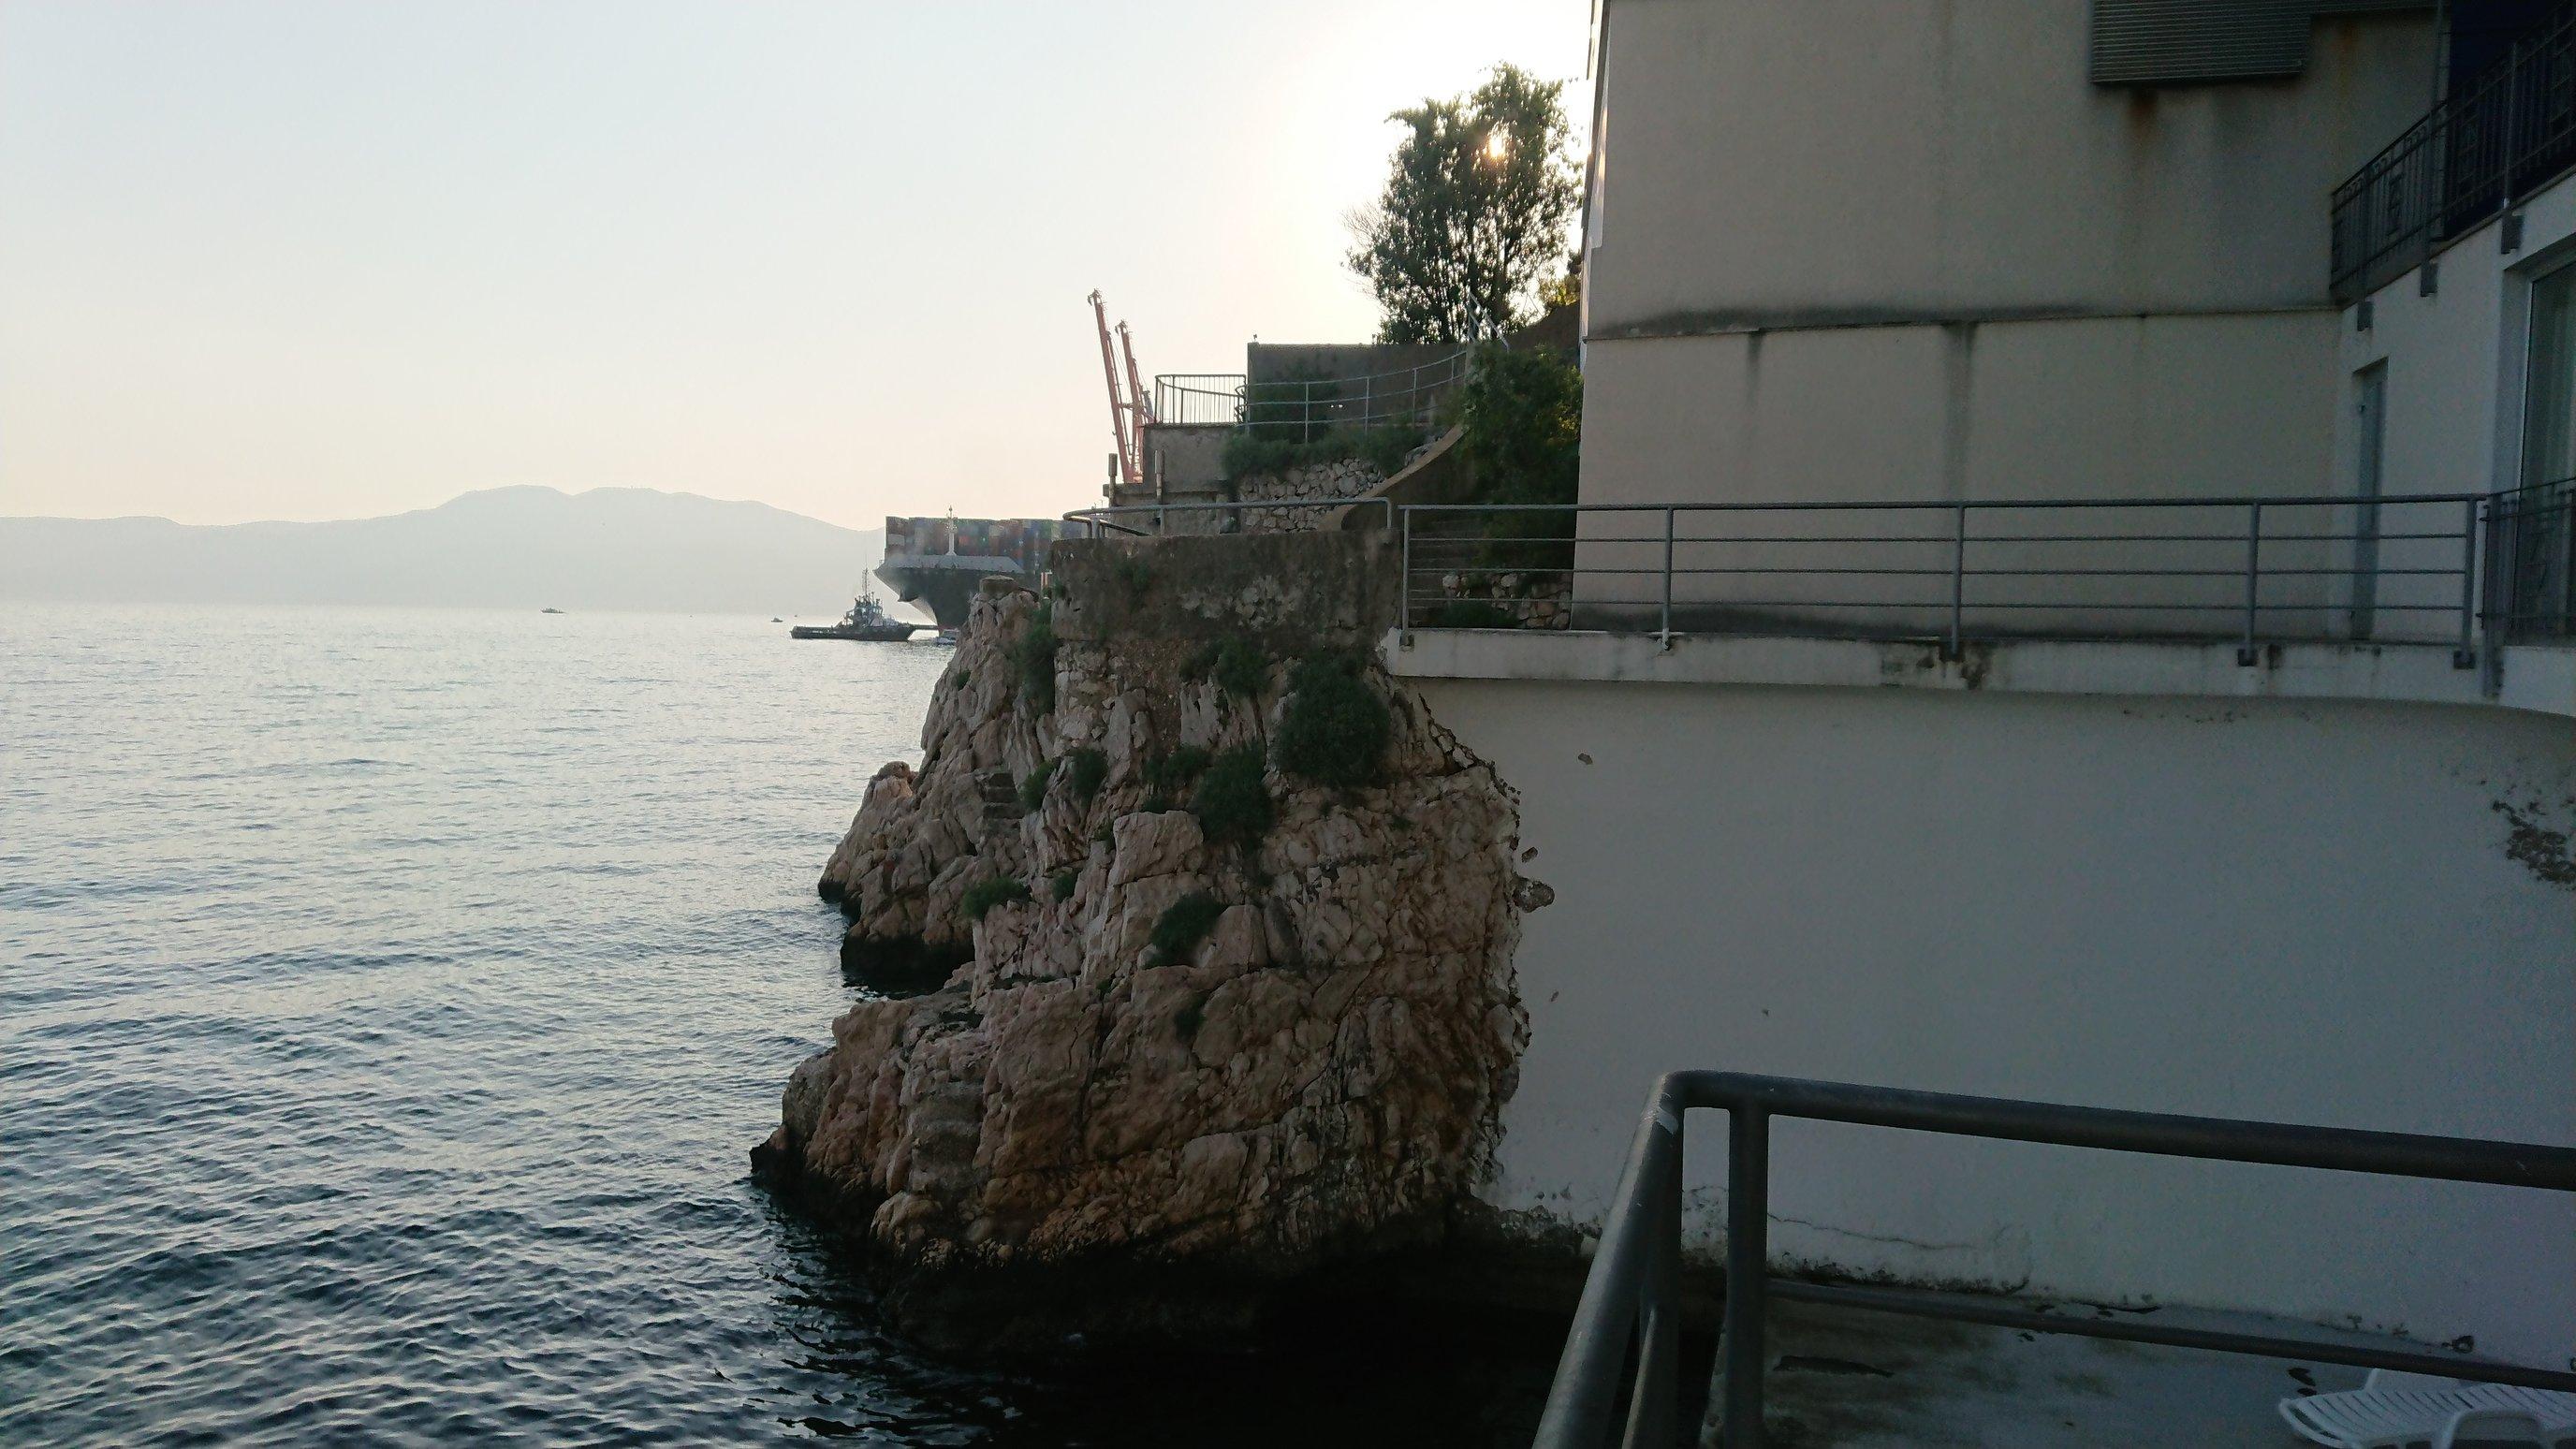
(387, 1001)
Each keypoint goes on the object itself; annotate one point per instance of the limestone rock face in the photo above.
(1312, 1072)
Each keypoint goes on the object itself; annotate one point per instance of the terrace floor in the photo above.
(1850, 1380)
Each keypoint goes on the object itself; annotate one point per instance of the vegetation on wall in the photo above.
(1033, 789)
(1232, 802)
(1034, 654)
(1085, 768)
(1171, 772)
(1521, 420)
(1237, 665)
(1478, 198)
(1134, 575)
(1333, 727)
(983, 895)
(1185, 923)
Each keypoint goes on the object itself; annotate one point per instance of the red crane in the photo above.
(1131, 415)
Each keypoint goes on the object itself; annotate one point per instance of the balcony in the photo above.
(2425, 598)
(2500, 137)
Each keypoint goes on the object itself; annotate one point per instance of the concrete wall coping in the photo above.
(2537, 678)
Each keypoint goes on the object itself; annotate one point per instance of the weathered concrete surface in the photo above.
(1845, 1380)
(1125, 1139)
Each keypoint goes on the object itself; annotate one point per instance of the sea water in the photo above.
(387, 1003)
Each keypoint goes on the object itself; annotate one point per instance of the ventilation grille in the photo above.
(2144, 41)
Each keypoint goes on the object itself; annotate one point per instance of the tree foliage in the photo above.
(1474, 213)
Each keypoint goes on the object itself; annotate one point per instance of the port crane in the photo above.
(1130, 415)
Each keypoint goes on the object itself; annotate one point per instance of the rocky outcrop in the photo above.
(1219, 1022)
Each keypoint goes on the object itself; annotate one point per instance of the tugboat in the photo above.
(866, 621)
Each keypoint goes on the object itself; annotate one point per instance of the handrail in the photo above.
(1632, 1295)
(1308, 404)
(2397, 556)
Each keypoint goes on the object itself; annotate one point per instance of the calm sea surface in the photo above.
(387, 1001)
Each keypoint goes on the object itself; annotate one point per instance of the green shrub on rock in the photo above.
(983, 895)
(1334, 727)
(1086, 768)
(1033, 789)
(1231, 801)
(1236, 664)
(1034, 653)
(1185, 923)
(1134, 575)
(1170, 774)
(1064, 882)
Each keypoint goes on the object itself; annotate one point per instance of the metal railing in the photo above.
(1631, 1304)
(2531, 589)
(2255, 570)
(1302, 408)
(1198, 399)
(1099, 522)
(2499, 137)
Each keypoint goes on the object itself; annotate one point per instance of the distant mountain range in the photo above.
(609, 548)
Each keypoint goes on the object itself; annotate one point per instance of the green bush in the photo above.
(1086, 768)
(1231, 801)
(1172, 773)
(1472, 614)
(1522, 413)
(1064, 882)
(985, 894)
(1334, 728)
(1134, 575)
(1034, 653)
(1236, 664)
(1033, 788)
(1178, 931)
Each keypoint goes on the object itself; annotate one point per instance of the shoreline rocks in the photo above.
(1166, 1075)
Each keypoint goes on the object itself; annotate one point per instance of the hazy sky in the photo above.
(320, 260)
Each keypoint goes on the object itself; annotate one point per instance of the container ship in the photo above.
(937, 563)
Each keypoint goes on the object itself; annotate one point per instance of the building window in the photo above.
(2549, 382)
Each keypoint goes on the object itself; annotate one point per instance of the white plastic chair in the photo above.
(2418, 1411)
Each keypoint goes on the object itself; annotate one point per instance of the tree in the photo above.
(1477, 198)
(1522, 416)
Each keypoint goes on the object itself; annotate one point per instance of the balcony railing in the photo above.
(1619, 1380)
(2499, 138)
(2531, 535)
(1303, 408)
(2254, 571)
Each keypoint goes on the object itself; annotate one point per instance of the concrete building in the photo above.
(2172, 794)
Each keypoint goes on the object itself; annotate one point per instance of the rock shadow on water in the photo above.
(900, 968)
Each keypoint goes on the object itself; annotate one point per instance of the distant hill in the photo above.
(609, 548)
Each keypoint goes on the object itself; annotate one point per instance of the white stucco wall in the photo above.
(1905, 250)
(2303, 911)
(1769, 161)
(2455, 358)
(2109, 407)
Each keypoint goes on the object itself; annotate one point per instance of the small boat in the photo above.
(550, 611)
(866, 621)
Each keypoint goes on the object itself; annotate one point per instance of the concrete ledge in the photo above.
(2535, 678)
